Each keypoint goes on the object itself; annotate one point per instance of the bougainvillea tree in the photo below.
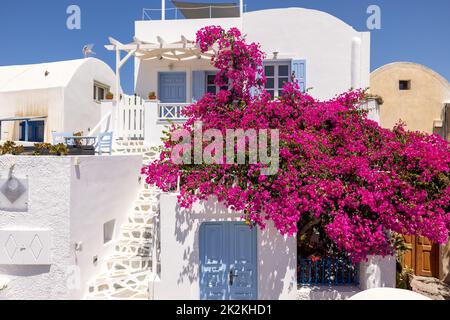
(338, 171)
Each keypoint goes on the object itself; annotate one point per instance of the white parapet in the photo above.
(378, 272)
(70, 201)
(374, 110)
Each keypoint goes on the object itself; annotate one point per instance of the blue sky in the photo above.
(35, 31)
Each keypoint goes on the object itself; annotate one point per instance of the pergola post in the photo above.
(117, 93)
(241, 8)
(163, 9)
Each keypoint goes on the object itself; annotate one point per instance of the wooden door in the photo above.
(423, 256)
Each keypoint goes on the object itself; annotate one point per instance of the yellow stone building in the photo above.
(420, 97)
(414, 94)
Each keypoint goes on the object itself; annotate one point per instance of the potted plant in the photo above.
(109, 96)
(152, 95)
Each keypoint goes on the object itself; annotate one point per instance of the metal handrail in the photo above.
(146, 16)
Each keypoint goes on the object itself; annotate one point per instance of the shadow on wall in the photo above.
(277, 264)
(277, 255)
(24, 271)
(188, 223)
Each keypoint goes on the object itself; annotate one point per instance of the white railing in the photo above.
(104, 125)
(171, 111)
(174, 13)
(131, 118)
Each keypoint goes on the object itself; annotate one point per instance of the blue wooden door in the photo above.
(172, 87)
(228, 261)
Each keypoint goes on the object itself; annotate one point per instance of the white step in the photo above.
(137, 232)
(134, 247)
(121, 286)
(129, 269)
(128, 263)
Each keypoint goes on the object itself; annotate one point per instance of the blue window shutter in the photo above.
(299, 70)
(198, 85)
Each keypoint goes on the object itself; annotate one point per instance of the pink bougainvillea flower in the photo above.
(359, 182)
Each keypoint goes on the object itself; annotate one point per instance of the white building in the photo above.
(160, 250)
(52, 97)
(326, 55)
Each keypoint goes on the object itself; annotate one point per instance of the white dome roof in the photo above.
(39, 76)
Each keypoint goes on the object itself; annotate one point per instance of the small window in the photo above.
(108, 231)
(211, 86)
(277, 75)
(100, 91)
(405, 84)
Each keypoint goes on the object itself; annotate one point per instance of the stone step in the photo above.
(134, 247)
(133, 149)
(144, 219)
(137, 232)
(118, 285)
(129, 142)
(149, 195)
(129, 268)
(146, 204)
(128, 263)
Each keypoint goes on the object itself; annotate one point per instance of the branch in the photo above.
(309, 225)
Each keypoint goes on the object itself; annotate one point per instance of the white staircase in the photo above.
(134, 264)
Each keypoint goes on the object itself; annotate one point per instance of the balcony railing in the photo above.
(171, 111)
(211, 11)
(337, 272)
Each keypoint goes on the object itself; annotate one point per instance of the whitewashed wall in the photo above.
(325, 41)
(72, 202)
(81, 112)
(39, 102)
(102, 189)
(65, 96)
(147, 74)
(338, 57)
(49, 209)
(180, 253)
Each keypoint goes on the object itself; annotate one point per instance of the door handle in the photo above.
(231, 277)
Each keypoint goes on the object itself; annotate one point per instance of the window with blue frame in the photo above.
(211, 86)
(277, 74)
(36, 131)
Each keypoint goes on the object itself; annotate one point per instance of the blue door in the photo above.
(228, 261)
(172, 87)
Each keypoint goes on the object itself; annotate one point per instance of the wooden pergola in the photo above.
(177, 51)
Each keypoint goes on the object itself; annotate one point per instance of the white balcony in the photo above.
(170, 112)
(158, 116)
